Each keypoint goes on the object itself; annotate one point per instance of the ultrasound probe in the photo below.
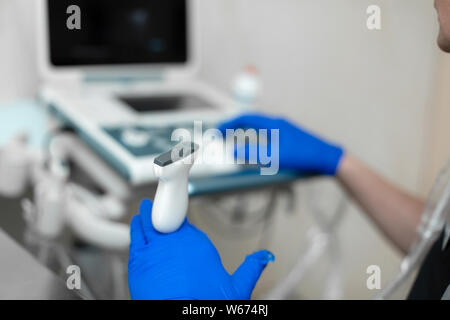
(171, 199)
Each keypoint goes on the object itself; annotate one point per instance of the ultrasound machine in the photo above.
(127, 79)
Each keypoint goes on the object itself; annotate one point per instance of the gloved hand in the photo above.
(298, 149)
(184, 265)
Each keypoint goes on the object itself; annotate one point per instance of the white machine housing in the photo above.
(171, 71)
(85, 98)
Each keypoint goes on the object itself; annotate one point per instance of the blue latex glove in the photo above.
(298, 149)
(184, 265)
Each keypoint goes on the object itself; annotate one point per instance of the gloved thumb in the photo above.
(248, 273)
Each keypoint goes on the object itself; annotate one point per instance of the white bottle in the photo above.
(14, 167)
(247, 88)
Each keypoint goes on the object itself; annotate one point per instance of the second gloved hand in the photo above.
(298, 149)
(184, 264)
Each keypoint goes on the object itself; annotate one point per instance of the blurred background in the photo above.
(381, 94)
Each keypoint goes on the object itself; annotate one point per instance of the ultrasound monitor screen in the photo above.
(118, 32)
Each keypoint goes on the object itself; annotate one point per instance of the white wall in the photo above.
(18, 71)
(368, 90)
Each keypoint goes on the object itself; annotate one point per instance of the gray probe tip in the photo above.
(179, 152)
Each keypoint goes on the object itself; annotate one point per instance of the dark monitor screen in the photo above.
(118, 32)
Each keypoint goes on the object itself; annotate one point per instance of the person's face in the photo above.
(443, 10)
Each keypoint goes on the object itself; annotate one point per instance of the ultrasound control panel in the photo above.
(143, 141)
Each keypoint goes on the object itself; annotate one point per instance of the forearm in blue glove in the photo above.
(185, 264)
(298, 149)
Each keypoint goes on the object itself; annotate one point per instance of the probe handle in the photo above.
(171, 199)
(171, 204)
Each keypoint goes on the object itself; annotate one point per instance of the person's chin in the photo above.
(443, 42)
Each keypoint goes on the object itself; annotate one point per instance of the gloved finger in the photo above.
(145, 213)
(137, 237)
(247, 275)
(252, 120)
